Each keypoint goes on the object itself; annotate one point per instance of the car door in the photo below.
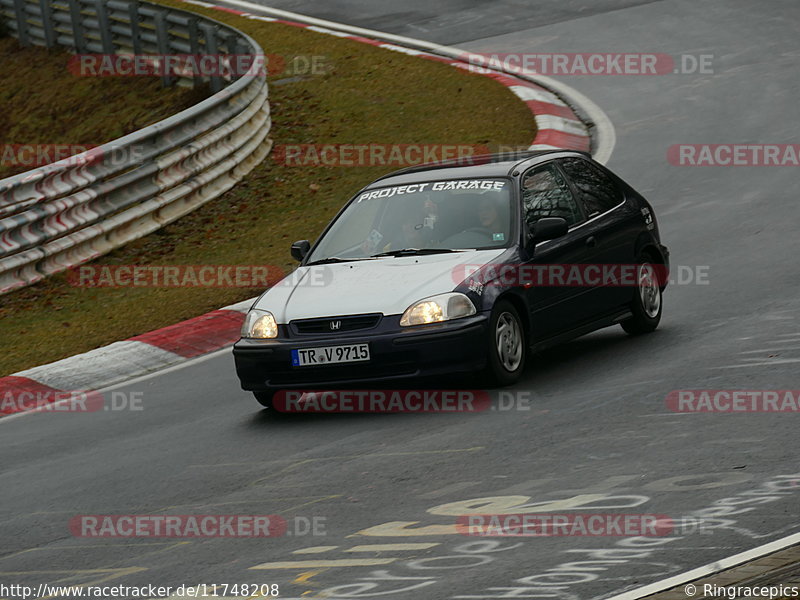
(554, 308)
(610, 224)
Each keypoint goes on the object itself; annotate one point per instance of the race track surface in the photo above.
(598, 434)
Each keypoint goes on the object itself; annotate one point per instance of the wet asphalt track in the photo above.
(597, 427)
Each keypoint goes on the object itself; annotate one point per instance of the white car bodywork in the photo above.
(387, 285)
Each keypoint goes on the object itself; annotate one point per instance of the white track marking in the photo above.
(782, 361)
(764, 350)
(709, 569)
(315, 550)
(325, 564)
(390, 547)
(448, 489)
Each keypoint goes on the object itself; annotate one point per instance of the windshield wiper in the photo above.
(415, 252)
(332, 259)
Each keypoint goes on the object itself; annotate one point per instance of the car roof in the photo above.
(487, 165)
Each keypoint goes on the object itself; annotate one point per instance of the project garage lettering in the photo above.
(436, 186)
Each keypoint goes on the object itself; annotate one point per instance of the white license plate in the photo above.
(327, 355)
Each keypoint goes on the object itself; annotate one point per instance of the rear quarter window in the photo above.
(598, 192)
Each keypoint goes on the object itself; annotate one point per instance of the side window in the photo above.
(598, 191)
(545, 193)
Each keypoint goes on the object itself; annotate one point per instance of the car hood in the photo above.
(384, 285)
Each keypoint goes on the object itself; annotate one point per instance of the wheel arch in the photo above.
(648, 246)
(518, 303)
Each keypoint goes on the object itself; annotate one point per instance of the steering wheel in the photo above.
(481, 230)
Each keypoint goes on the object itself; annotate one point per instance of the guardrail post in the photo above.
(232, 45)
(22, 22)
(194, 48)
(47, 23)
(78, 39)
(136, 32)
(105, 26)
(162, 40)
(210, 34)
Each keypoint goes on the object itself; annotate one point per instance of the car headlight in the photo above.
(443, 307)
(259, 324)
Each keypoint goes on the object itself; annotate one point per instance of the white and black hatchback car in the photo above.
(438, 269)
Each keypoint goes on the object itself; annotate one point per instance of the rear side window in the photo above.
(596, 189)
(545, 193)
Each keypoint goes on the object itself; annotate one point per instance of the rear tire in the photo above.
(507, 346)
(647, 304)
(264, 398)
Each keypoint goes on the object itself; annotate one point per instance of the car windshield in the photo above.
(420, 218)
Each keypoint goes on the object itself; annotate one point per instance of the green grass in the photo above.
(368, 95)
(43, 103)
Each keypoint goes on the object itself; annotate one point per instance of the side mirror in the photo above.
(548, 228)
(301, 248)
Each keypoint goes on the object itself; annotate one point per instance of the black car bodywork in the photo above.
(621, 234)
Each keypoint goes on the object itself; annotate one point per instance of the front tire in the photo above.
(507, 346)
(647, 304)
(264, 398)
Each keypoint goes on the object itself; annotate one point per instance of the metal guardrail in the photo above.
(69, 212)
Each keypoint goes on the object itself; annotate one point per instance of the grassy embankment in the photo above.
(368, 95)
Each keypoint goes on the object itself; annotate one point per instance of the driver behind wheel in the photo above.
(413, 226)
(491, 218)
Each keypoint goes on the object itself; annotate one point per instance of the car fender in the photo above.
(496, 280)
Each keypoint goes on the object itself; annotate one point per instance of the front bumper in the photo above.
(457, 346)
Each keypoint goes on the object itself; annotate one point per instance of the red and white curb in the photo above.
(558, 127)
(122, 361)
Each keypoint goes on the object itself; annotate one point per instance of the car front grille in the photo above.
(334, 325)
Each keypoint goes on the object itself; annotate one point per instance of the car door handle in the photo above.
(591, 241)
